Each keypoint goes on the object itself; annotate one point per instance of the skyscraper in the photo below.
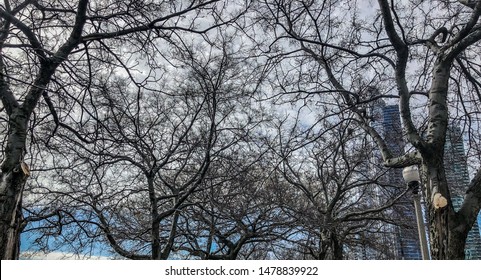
(385, 119)
(408, 247)
(479, 222)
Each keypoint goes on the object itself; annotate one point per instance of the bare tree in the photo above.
(339, 197)
(48, 45)
(240, 216)
(407, 49)
(129, 169)
(129, 162)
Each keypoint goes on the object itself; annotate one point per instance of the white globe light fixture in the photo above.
(411, 177)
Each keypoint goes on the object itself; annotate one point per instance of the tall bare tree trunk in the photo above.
(13, 177)
(447, 234)
(447, 230)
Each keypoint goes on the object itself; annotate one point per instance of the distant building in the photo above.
(385, 119)
(479, 223)
(403, 239)
(408, 247)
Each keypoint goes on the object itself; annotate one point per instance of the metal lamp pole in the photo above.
(411, 176)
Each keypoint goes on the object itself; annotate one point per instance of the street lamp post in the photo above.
(411, 176)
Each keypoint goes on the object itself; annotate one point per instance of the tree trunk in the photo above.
(173, 234)
(447, 232)
(447, 229)
(337, 249)
(154, 214)
(13, 177)
(330, 248)
(447, 235)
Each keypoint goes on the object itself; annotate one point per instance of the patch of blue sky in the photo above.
(37, 241)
